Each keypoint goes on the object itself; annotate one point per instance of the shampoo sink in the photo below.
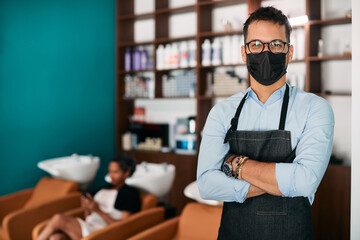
(153, 178)
(79, 168)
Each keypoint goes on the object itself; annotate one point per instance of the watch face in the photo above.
(227, 169)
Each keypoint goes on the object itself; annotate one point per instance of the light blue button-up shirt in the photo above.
(310, 120)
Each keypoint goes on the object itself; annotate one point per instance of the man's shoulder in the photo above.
(310, 102)
(306, 97)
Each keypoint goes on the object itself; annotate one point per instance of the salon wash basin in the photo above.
(79, 168)
(192, 191)
(154, 178)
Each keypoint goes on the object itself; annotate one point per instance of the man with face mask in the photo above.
(264, 151)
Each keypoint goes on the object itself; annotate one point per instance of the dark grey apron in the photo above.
(265, 216)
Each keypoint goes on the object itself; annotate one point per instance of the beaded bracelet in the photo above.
(239, 164)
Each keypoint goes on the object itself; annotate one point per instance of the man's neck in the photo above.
(264, 92)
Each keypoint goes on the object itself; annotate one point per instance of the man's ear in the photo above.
(243, 53)
(127, 174)
(291, 52)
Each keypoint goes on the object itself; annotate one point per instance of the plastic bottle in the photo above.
(235, 49)
(167, 56)
(184, 55)
(226, 50)
(216, 52)
(192, 54)
(174, 55)
(136, 60)
(127, 59)
(321, 48)
(143, 58)
(160, 52)
(206, 53)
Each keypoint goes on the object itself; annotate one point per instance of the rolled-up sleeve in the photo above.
(303, 176)
(212, 182)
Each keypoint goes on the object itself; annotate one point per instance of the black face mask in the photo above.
(266, 67)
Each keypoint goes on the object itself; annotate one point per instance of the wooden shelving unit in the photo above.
(125, 18)
(185, 165)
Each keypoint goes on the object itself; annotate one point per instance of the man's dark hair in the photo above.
(268, 14)
(126, 163)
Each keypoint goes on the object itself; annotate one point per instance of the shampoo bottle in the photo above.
(206, 53)
(226, 50)
(192, 54)
(216, 52)
(160, 57)
(127, 59)
(235, 49)
(184, 54)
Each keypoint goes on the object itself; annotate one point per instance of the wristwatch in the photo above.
(227, 166)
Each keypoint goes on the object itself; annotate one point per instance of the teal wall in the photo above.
(57, 64)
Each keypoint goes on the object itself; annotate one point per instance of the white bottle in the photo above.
(192, 54)
(226, 50)
(241, 43)
(160, 57)
(167, 58)
(235, 49)
(300, 42)
(174, 56)
(216, 52)
(206, 53)
(293, 42)
(184, 55)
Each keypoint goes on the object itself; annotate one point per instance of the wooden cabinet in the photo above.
(125, 20)
(331, 207)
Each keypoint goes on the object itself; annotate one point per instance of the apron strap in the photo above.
(284, 109)
(235, 119)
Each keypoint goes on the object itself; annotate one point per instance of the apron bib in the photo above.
(265, 216)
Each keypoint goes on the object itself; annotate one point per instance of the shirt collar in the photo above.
(278, 94)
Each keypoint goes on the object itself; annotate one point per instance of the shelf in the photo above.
(334, 21)
(298, 61)
(123, 99)
(221, 3)
(328, 58)
(177, 10)
(204, 98)
(174, 69)
(135, 16)
(156, 153)
(177, 39)
(218, 34)
(324, 95)
(133, 44)
(122, 72)
(223, 65)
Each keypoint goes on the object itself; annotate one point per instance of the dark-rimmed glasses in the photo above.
(275, 46)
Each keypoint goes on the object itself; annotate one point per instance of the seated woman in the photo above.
(115, 202)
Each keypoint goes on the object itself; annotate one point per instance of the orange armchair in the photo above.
(196, 222)
(149, 216)
(21, 211)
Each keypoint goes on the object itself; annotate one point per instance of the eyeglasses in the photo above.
(275, 46)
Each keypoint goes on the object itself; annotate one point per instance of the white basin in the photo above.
(154, 178)
(192, 191)
(79, 168)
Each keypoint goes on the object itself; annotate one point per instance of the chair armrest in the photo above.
(163, 231)
(76, 212)
(130, 226)
(29, 217)
(13, 202)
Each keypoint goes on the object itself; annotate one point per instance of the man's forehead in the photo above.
(266, 28)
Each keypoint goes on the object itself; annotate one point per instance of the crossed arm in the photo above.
(300, 178)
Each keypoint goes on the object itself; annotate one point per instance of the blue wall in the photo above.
(57, 78)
